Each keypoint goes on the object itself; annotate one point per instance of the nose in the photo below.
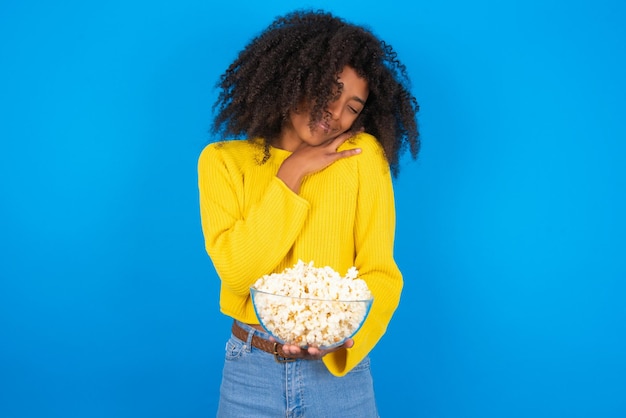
(334, 111)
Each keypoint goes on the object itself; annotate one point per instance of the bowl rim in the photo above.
(255, 290)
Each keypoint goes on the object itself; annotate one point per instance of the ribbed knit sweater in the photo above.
(344, 216)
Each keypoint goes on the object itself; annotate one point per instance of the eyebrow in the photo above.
(358, 99)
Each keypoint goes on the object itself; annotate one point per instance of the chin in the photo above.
(315, 139)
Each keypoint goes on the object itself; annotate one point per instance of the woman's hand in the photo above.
(309, 159)
(312, 353)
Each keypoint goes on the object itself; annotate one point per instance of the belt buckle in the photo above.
(279, 358)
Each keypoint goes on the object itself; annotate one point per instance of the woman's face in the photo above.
(339, 117)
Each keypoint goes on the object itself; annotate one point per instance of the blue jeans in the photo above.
(255, 385)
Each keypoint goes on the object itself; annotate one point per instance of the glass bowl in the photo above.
(309, 322)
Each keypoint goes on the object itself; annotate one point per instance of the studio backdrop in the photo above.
(510, 224)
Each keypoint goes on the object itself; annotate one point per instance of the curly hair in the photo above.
(298, 58)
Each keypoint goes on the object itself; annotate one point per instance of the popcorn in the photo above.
(311, 306)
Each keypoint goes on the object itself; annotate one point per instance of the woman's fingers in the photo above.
(340, 139)
(313, 353)
(309, 159)
(348, 152)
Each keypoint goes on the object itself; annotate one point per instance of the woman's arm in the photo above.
(245, 240)
(374, 232)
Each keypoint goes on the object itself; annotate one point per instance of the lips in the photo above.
(324, 126)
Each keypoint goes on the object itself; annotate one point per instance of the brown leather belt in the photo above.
(262, 344)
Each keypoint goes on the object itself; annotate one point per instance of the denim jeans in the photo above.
(255, 385)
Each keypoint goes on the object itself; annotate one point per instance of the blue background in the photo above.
(510, 224)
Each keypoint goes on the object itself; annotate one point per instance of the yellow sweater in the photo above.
(344, 216)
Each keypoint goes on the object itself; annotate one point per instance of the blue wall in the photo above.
(510, 224)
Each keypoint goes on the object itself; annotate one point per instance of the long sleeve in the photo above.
(245, 240)
(374, 231)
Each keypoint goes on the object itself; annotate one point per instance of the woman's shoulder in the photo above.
(231, 153)
(231, 145)
(365, 141)
(371, 148)
(229, 149)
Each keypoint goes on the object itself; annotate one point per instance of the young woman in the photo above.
(321, 112)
